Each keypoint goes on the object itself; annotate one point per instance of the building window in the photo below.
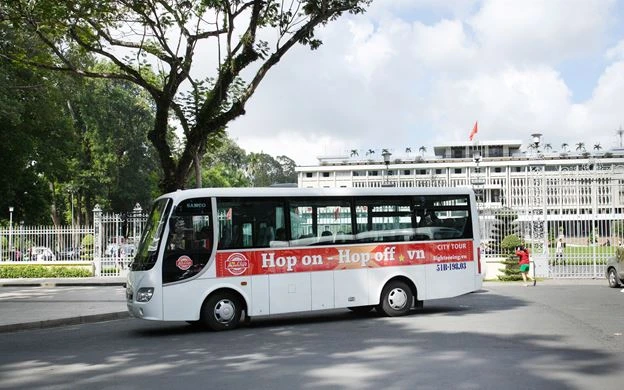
(325, 174)
(421, 171)
(457, 171)
(518, 169)
(496, 195)
(356, 173)
(373, 173)
(495, 151)
(499, 169)
(438, 171)
(407, 172)
(308, 174)
(390, 173)
(458, 153)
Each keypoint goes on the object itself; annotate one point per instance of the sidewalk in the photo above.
(43, 303)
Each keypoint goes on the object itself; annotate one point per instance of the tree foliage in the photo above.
(512, 268)
(64, 139)
(230, 166)
(35, 137)
(154, 44)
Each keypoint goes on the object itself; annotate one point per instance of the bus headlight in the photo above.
(144, 294)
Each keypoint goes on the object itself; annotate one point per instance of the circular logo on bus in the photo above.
(184, 263)
(237, 264)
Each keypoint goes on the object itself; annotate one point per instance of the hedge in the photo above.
(41, 271)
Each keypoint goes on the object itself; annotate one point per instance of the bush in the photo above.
(87, 247)
(40, 271)
(510, 242)
(512, 268)
(619, 254)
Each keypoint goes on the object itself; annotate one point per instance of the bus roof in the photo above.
(307, 192)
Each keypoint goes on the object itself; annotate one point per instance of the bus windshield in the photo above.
(147, 252)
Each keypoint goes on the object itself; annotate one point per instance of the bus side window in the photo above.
(249, 222)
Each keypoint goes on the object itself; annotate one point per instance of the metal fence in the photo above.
(567, 240)
(108, 246)
(569, 245)
(46, 243)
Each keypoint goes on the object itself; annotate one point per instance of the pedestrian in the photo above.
(559, 251)
(523, 260)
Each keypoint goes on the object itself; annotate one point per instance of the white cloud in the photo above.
(443, 46)
(398, 76)
(616, 53)
(541, 31)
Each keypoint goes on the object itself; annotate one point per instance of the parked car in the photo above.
(123, 250)
(69, 254)
(41, 253)
(614, 272)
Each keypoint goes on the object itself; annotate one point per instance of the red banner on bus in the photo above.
(277, 261)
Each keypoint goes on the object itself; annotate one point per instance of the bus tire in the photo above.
(396, 299)
(221, 311)
(361, 309)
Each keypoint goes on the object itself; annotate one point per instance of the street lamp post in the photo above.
(386, 156)
(477, 182)
(10, 230)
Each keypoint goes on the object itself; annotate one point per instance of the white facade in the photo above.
(575, 182)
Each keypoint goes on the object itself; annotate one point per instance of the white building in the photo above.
(575, 194)
(501, 171)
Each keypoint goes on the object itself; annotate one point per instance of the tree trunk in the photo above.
(158, 137)
(197, 165)
(53, 211)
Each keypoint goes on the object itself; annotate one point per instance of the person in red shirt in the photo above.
(523, 260)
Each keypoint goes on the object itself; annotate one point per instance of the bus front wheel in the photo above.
(396, 299)
(221, 311)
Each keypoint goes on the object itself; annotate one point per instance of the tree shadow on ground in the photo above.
(328, 350)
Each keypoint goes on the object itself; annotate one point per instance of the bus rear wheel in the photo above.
(396, 299)
(221, 311)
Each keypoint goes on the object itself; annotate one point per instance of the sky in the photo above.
(413, 73)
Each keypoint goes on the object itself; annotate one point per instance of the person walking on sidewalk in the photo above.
(523, 260)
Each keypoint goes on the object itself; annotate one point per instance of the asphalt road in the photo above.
(504, 337)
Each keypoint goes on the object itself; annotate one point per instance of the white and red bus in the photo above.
(214, 256)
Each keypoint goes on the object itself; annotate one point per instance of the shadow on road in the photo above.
(330, 350)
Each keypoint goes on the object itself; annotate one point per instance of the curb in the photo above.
(64, 322)
(59, 284)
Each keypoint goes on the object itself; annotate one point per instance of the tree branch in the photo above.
(135, 75)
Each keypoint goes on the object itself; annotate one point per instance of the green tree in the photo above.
(154, 44)
(264, 170)
(35, 136)
(116, 166)
(512, 268)
(288, 170)
(225, 166)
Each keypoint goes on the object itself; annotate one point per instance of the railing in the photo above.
(571, 245)
(108, 246)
